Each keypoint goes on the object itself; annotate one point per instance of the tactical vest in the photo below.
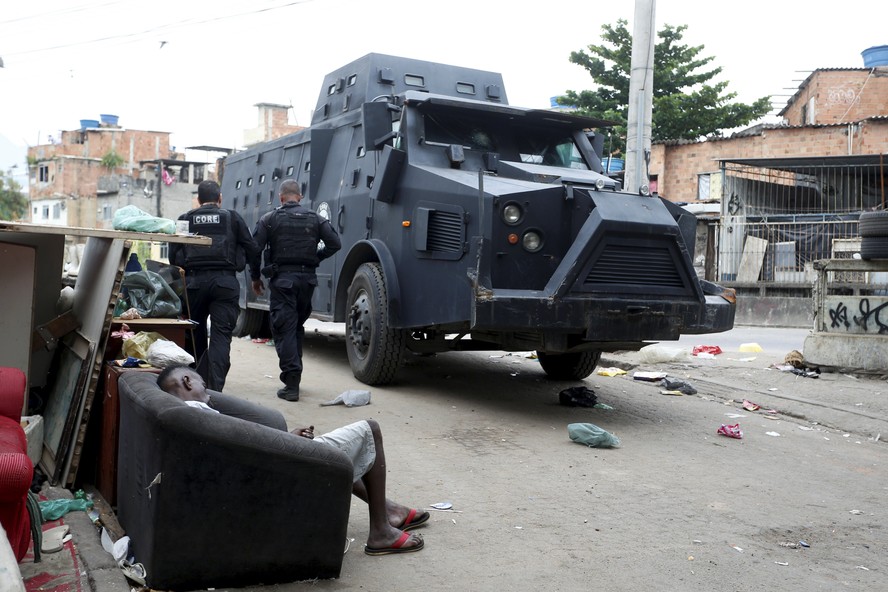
(219, 225)
(294, 237)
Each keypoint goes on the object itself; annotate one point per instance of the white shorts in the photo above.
(355, 440)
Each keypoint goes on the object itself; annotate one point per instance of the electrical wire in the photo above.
(156, 29)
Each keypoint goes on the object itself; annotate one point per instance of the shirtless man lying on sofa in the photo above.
(361, 441)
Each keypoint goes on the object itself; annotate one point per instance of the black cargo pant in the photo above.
(289, 308)
(213, 294)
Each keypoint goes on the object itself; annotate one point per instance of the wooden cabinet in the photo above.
(107, 477)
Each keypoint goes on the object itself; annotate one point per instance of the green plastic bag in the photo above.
(591, 435)
(55, 509)
(132, 218)
(148, 292)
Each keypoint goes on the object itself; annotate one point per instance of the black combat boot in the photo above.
(291, 391)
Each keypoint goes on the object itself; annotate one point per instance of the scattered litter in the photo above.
(773, 388)
(750, 347)
(591, 435)
(775, 434)
(731, 431)
(750, 359)
(441, 506)
(706, 349)
(704, 355)
(604, 406)
(750, 406)
(354, 398)
(649, 376)
(863, 568)
(781, 563)
(736, 548)
(804, 544)
(683, 387)
(855, 512)
(806, 428)
(673, 393)
(577, 396)
(734, 415)
(795, 359)
(655, 353)
(771, 417)
(519, 528)
(612, 371)
(789, 545)
(261, 340)
(690, 557)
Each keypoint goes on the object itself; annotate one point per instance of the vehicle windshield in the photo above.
(507, 136)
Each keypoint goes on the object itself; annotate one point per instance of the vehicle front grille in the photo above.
(632, 265)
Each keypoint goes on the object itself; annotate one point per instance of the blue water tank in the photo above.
(88, 123)
(108, 119)
(875, 56)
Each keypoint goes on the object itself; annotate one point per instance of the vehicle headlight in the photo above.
(512, 214)
(532, 241)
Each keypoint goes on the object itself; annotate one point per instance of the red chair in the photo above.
(16, 470)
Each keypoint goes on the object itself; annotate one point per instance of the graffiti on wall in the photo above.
(857, 314)
(840, 95)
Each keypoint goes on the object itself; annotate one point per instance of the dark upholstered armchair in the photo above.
(215, 501)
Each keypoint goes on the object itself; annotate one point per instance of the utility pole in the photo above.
(641, 92)
(159, 184)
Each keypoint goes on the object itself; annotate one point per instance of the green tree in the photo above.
(13, 203)
(686, 103)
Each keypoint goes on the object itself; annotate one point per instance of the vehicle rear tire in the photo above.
(572, 366)
(374, 349)
(249, 322)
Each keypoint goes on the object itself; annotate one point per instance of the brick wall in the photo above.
(678, 166)
(843, 101)
(840, 96)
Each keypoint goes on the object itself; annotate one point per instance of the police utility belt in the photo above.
(274, 269)
(204, 271)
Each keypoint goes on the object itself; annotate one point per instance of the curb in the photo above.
(102, 573)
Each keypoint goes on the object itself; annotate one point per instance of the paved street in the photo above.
(676, 507)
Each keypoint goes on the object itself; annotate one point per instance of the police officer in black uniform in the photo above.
(211, 279)
(291, 235)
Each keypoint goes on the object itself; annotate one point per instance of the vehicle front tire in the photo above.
(374, 349)
(571, 366)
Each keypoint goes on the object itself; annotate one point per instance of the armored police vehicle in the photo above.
(470, 224)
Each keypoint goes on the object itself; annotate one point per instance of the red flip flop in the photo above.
(397, 546)
(414, 519)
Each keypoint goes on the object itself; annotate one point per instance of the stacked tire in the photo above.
(874, 235)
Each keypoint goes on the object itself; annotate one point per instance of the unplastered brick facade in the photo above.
(836, 112)
(72, 166)
(274, 122)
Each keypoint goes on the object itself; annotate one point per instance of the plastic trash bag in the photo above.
(577, 396)
(684, 387)
(55, 509)
(656, 354)
(591, 435)
(150, 295)
(137, 345)
(163, 353)
(355, 398)
(134, 219)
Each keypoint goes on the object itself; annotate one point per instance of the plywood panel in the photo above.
(751, 262)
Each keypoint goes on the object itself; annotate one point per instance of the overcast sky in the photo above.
(197, 68)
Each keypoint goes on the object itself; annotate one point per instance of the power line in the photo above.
(159, 28)
(69, 10)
